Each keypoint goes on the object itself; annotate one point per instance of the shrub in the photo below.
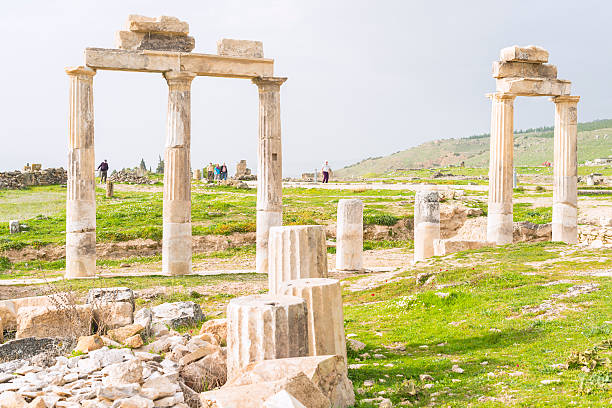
(380, 219)
(5, 263)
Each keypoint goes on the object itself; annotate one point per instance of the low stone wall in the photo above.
(130, 177)
(15, 180)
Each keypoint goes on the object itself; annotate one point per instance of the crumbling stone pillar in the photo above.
(565, 186)
(325, 316)
(426, 224)
(269, 170)
(110, 189)
(81, 192)
(499, 219)
(349, 235)
(265, 327)
(296, 252)
(176, 243)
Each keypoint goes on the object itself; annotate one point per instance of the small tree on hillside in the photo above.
(160, 166)
(143, 165)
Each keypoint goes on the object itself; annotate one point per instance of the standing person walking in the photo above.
(211, 172)
(326, 170)
(103, 167)
(223, 172)
(217, 172)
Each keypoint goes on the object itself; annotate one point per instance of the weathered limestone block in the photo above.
(499, 217)
(325, 316)
(240, 48)
(523, 70)
(197, 174)
(133, 41)
(265, 327)
(163, 24)
(565, 185)
(328, 373)
(282, 399)
(296, 252)
(113, 314)
(349, 235)
(112, 294)
(9, 308)
(14, 227)
(448, 246)
(426, 223)
(533, 86)
(67, 321)
(255, 395)
(110, 189)
(531, 53)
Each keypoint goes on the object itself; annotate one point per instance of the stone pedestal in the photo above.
(296, 252)
(197, 174)
(565, 185)
(176, 243)
(499, 219)
(81, 189)
(269, 170)
(325, 316)
(265, 327)
(426, 224)
(349, 235)
(110, 189)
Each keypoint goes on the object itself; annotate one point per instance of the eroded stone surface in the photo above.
(349, 235)
(240, 48)
(530, 53)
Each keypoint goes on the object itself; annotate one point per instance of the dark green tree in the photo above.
(160, 166)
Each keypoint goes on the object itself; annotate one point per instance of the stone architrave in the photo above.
(81, 191)
(176, 243)
(325, 316)
(349, 235)
(426, 223)
(269, 177)
(265, 327)
(499, 218)
(565, 186)
(296, 252)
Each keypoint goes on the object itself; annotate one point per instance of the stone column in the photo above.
(565, 185)
(499, 219)
(81, 194)
(269, 168)
(349, 235)
(426, 224)
(110, 189)
(325, 316)
(265, 327)
(176, 243)
(296, 252)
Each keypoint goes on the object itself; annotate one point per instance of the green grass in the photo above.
(525, 212)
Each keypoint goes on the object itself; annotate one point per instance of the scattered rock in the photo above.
(457, 369)
(355, 345)
(216, 327)
(123, 333)
(68, 321)
(177, 314)
(86, 344)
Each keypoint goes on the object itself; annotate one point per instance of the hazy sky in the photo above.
(366, 78)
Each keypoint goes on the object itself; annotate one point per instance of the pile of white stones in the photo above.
(12, 180)
(130, 177)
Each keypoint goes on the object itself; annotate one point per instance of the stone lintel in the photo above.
(522, 69)
(565, 98)
(533, 86)
(163, 61)
(500, 95)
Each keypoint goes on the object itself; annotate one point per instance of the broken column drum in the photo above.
(176, 242)
(296, 252)
(522, 71)
(426, 223)
(81, 185)
(349, 235)
(162, 45)
(269, 177)
(265, 327)
(325, 316)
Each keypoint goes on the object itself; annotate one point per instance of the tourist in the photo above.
(211, 172)
(217, 172)
(326, 170)
(103, 167)
(223, 172)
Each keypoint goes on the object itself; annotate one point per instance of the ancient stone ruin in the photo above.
(14, 180)
(523, 71)
(163, 46)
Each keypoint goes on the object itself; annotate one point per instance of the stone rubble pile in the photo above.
(595, 236)
(130, 177)
(159, 34)
(243, 172)
(16, 180)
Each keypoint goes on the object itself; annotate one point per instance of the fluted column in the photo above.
(81, 194)
(269, 168)
(176, 244)
(426, 224)
(349, 235)
(499, 219)
(565, 193)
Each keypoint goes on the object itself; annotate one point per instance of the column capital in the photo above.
(267, 84)
(80, 71)
(565, 98)
(501, 96)
(179, 79)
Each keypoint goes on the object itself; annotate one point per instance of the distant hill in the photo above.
(531, 147)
